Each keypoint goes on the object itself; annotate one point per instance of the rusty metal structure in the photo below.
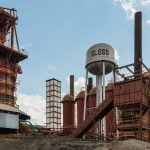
(127, 102)
(91, 106)
(68, 103)
(111, 116)
(131, 100)
(10, 56)
(132, 93)
(72, 85)
(80, 106)
(91, 120)
(68, 114)
(80, 102)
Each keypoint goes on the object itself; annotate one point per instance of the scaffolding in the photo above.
(53, 105)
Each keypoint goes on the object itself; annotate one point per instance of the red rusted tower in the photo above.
(111, 116)
(91, 106)
(68, 113)
(68, 109)
(80, 106)
(10, 56)
(91, 101)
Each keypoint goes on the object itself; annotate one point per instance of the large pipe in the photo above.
(72, 85)
(137, 41)
(90, 84)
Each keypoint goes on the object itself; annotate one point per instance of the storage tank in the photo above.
(100, 60)
(80, 106)
(110, 117)
(91, 102)
(96, 55)
(91, 105)
(68, 113)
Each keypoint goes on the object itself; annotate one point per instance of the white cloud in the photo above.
(131, 6)
(145, 2)
(148, 21)
(128, 6)
(33, 105)
(116, 55)
(79, 84)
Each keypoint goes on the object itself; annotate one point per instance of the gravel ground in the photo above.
(42, 142)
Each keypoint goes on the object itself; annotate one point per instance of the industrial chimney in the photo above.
(72, 85)
(137, 42)
(90, 84)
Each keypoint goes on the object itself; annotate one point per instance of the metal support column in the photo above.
(117, 118)
(104, 119)
(85, 97)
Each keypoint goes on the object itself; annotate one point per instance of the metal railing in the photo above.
(22, 51)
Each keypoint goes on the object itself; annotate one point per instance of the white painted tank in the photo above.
(96, 55)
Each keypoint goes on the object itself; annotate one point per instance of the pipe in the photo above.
(99, 100)
(90, 84)
(85, 97)
(137, 42)
(98, 88)
(117, 118)
(72, 85)
(104, 119)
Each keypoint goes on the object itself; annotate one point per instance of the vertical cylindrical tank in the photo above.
(110, 124)
(91, 104)
(80, 107)
(68, 113)
(110, 117)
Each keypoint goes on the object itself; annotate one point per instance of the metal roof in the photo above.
(8, 108)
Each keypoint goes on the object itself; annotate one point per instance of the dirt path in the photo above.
(42, 142)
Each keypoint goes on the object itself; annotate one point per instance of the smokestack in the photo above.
(90, 84)
(72, 85)
(137, 41)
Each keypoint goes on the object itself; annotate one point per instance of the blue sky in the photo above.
(57, 33)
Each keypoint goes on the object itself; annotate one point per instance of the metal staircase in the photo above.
(91, 120)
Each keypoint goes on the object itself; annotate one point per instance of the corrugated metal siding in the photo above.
(9, 108)
(9, 121)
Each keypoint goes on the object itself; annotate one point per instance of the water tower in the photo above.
(100, 60)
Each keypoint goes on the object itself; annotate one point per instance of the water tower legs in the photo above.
(103, 93)
(85, 97)
(100, 96)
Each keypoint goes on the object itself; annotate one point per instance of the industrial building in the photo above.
(10, 56)
(118, 110)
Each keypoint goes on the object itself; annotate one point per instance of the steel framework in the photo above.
(10, 56)
(53, 105)
(132, 102)
(129, 100)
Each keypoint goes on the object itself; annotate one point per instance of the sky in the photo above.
(57, 34)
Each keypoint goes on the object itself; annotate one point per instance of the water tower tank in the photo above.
(96, 55)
